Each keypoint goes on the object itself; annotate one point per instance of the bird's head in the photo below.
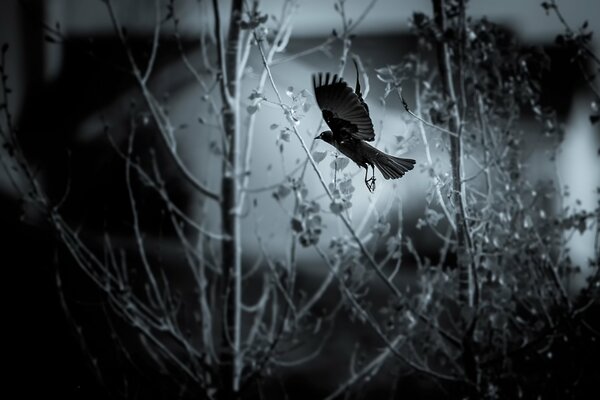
(326, 136)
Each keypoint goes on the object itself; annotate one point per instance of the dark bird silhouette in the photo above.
(347, 115)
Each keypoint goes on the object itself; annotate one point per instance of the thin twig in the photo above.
(155, 39)
(365, 316)
(439, 128)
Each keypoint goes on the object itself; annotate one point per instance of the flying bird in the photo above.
(347, 115)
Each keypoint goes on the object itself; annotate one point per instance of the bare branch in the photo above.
(161, 119)
(421, 120)
(155, 39)
(365, 316)
(376, 363)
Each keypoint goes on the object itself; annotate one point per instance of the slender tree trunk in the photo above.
(230, 288)
(466, 284)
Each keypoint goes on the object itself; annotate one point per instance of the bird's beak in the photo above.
(317, 137)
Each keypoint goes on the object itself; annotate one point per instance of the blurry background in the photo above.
(62, 93)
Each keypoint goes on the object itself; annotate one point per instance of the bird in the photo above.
(347, 115)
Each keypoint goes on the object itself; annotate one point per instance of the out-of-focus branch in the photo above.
(13, 148)
(366, 317)
(284, 30)
(161, 119)
(155, 39)
(90, 358)
(224, 78)
(136, 227)
(320, 47)
(420, 119)
(564, 22)
(466, 284)
(438, 180)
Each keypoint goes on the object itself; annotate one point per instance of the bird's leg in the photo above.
(373, 178)
(370, 182)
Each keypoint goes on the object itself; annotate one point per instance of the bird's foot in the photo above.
(370, 184)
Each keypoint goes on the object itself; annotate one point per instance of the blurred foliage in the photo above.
(526, 315)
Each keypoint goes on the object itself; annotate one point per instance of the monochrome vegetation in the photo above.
(491, 315)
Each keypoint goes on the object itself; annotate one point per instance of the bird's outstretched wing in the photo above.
(342, 108)
(357, 88)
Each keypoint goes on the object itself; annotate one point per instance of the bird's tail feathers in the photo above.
(393, 167)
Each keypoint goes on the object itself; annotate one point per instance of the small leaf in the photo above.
(314, 207)
(346, 187)
(340, 163)
(432, 216)
(314, 222)
(282, 192)
(297, 225)
(252, 109)
(336, 207)
(387, 74)
(215, 148)
(285, 135)
(381, 228)
(581, 226)
(393, 246)
(318, 156)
